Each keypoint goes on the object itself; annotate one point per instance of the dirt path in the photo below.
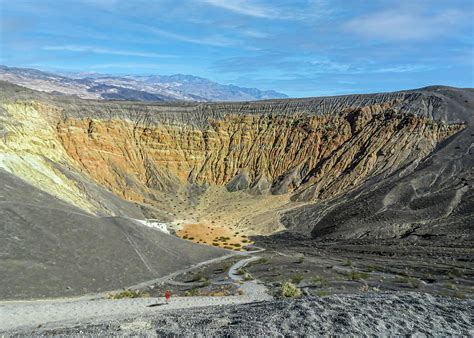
(25, 315)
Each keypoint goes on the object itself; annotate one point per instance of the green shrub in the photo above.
(459, 294)
(127, 294)
(415, 283)
(248, 276)
(290, 290)
(357, 275)
(206, 282)
(191, 293)
(454, 272)
(321, 293)
(348, 263)
(402, 279)
(320, 280)
(297, 278)
(262, 260)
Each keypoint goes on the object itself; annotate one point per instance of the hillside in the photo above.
(127, 87)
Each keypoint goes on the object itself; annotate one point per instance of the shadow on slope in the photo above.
(53, 249)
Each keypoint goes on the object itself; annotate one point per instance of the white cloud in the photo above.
(244, 7)
(214, 40)
(404, 25)
(255, 34)
(403, 69)
(99, 50)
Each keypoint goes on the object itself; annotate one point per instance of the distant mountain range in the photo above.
(130, 87)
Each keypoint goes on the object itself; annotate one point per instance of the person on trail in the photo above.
(167, 296)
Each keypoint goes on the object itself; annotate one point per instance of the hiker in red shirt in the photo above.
(167, 296)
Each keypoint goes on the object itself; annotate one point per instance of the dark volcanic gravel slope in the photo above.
(432, 198)
(366, 314)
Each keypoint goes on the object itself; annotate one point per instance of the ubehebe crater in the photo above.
(77, 173)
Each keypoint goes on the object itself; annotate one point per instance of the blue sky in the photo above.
(299, 47)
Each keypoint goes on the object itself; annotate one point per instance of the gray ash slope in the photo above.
(53, 249)
(367, 314)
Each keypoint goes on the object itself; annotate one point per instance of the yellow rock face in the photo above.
(30, 147)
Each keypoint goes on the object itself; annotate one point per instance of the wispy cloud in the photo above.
(312, 65)
(123, 66)
(99, 50)
(255, 34)
(212, 40)
(245, 7)
(405, 24)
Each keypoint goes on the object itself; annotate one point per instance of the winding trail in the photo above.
(67, 312)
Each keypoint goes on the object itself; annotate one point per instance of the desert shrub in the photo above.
(248, 276)
(415, 283)
(215, 244)
(321, 293)
(454, 272)
(191, 293)
(449, 285)
(240, 271)
(262, 260)
(198, 277)
(127, 294)
(357, 275)
(371, 268)
(301, 260)
(321, 281)
(220, 293)
(297, 278)
(290, 290)
(402, 279)
(206, 282)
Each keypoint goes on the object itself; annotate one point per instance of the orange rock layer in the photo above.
(313, 157)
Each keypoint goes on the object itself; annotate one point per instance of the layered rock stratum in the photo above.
(393, 165)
